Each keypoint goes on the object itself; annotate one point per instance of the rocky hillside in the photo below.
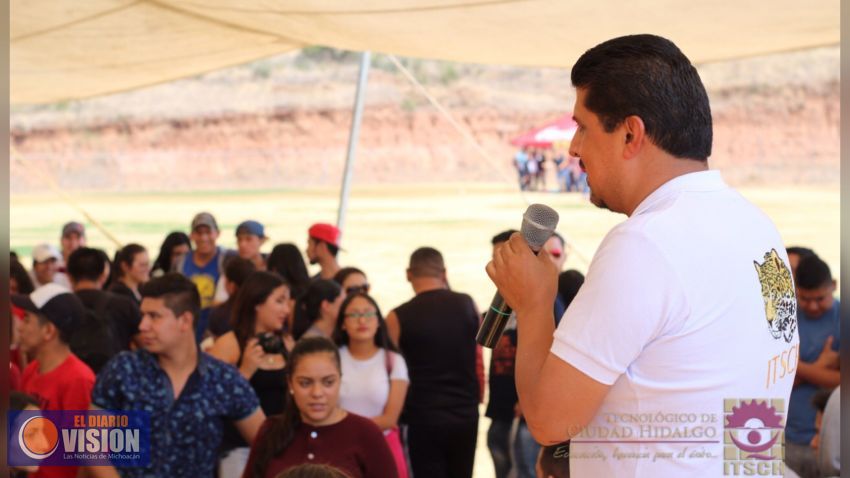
(284, 122)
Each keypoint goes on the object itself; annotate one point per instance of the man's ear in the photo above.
(186, 321)
(409, 276)
(634, 135)
(48, 330)
(104, 276)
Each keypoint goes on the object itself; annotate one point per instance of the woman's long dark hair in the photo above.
(382, 336)
(172, 240)
(308, 306)
(280, 429)
(256, 289)
(286, 260)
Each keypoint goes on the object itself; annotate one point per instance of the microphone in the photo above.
(538, 225)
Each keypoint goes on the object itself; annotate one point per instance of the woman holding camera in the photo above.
(258, 348)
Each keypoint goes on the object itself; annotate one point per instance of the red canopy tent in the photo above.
(560, 130)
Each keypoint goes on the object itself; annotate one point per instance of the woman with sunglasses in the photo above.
(352, 280)
(374, 374)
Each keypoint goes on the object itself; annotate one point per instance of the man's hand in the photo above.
(524, 280)
(824, 371)
(828, 358)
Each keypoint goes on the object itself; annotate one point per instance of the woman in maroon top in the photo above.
(313, 428)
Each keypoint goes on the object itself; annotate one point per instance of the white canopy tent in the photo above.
(63, 50)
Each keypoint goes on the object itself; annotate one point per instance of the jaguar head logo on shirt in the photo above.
(777, 290)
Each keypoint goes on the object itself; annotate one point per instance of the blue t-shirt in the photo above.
(185, 432)
(813, 333)
(205, 279)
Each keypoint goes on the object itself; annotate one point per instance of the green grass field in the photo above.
(385, 224)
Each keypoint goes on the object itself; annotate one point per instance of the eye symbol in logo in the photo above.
(38, 437)
(750, 428)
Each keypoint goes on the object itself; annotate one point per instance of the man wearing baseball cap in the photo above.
(250, 237)
(322, 248)
(45, 267)
(73, 238)
(56, 377)
(204, 265)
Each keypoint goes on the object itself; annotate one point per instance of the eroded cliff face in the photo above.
(290, 129)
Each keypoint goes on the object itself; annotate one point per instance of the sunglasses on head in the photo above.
(364, 288)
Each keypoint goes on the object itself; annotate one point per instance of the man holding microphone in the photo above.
(684, 331)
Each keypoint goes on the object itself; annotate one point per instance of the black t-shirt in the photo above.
(437, 341)
(120, 288)
(503, 394)
(121, 312)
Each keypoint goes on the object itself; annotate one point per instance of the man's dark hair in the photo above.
(799, 251)
(569, 282)
(20, 401)
(502, 236)
(427, 262)
(179, 294)
(648, 76)
(238, 269)
(87, 263)
(813, 273)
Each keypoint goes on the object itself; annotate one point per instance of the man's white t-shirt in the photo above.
(687, 310)
(366, 383)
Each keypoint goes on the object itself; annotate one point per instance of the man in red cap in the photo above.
(322, 248)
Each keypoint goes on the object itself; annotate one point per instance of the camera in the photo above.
(270, 342)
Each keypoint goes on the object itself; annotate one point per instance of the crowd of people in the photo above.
(530, 164)
(261, 367)
(252, 367)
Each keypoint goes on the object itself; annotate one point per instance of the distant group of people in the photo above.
(249, 366)
(530, 164)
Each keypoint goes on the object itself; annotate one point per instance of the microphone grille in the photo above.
(538, 225)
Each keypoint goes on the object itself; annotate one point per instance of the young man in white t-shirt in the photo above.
(677, 356)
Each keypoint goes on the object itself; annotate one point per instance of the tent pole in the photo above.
(365, 60)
